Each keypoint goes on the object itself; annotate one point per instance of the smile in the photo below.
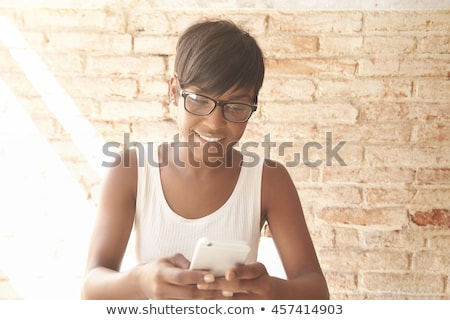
(209, 139)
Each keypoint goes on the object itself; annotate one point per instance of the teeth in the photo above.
(210, 139)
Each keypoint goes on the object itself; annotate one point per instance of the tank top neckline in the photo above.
(216, 214)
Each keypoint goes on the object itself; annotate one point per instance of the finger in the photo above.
(187, 292)
(234, 289)
(179, 276)
(174, 271)
(249, 271)
(178, 260)
(218, 284)
(228, 288)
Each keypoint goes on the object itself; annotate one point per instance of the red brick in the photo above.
(432, 197)
(428, 261)
(423, 67)
(321, 237)
(365, 88)
(402, 282)
(317, 113)
(401, 239)
(404, 111)
(405, 21)
(389, 44)
(371, 133)
(407, 156)
(63, 63)
(353, 295)
(376, 67)
(434, 217)
(381, 218)
(438, 133)
(286, 89)
(125, 65)
(439, 242)
(117, 110)
(291, 45)
(331, 45)
(147, 21)
(89, 42)
(86, 19)
(402, 67)
(357, 259)
(346, 238)
(352, 155)
(315, 21)
(154, 44)
(435, 90)
(434, 44)
(341, 281)
(153, 88)
(331, 195)
(372, 175)
(100, 87)
(255, 24)
(158, 131)
(299, 173)
(433, 176)
(403, 296)
(389, 196)
(311, 66)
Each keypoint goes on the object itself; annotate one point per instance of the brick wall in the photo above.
(377, 82)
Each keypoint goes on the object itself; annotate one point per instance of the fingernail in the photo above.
(227, 293)
(208, 278)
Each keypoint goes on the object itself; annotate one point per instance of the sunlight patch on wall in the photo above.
(45, 216)
(57, 100)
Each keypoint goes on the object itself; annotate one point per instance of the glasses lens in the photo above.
(198, 104)
(237, 112)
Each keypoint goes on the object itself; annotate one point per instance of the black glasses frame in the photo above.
(184, 94)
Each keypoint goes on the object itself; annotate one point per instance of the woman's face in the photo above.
(210, 138)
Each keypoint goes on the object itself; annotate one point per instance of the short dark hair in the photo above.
(216, 55)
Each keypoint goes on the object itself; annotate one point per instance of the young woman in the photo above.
(199, 185)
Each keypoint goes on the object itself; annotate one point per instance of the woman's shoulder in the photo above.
(275, 178)
(121, 174)
(273, 167)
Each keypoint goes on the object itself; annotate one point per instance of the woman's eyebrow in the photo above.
(199, 90)
(242, 95)
(238, 97)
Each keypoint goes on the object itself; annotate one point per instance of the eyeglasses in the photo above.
(201, 105)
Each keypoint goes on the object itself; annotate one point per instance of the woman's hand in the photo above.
(170, 278)
(242, 282)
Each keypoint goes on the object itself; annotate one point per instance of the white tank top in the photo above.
(161, 232)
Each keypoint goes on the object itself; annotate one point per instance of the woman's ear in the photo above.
(173, 90)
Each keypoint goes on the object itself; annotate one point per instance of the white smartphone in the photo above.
(218, 256)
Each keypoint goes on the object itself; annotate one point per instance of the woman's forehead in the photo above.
(234, 93)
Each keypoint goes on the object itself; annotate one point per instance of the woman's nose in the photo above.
(215, 119)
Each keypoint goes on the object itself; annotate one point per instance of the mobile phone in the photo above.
(218, 256)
